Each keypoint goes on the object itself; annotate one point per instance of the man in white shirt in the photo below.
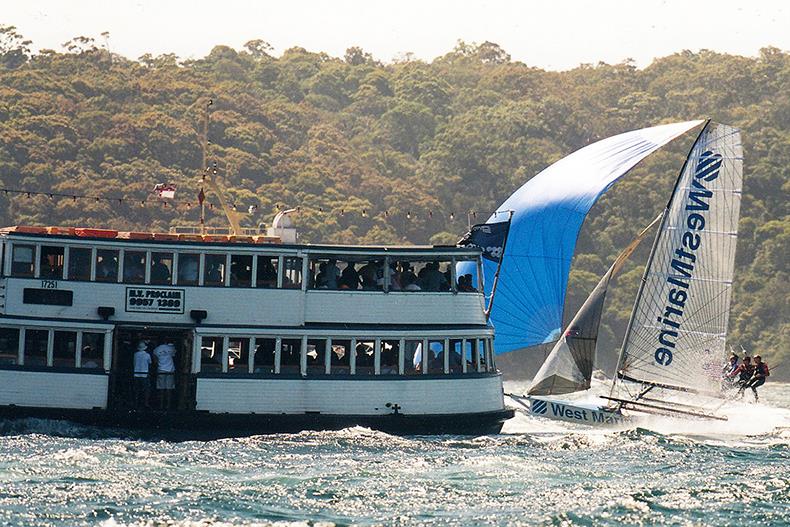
(165, 373)
(142, 386)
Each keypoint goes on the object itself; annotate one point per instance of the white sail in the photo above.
(569, 366)
(677, 333)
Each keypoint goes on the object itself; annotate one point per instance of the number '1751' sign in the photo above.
(150, 300)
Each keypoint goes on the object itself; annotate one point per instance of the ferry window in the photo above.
(9, 345)
(134, 267)
(290, 355)
(263, 360)
(188, 269)
(316, 356)
(436, 356)
(412, 359)
(365, 357)
(240, 270)
(92, 354)
(340, 360)
(470, 356)
(106, 265)
(51, 262)
(36, 342)
(266, 274)
(161, 268)
(64, 349)
(292, 272)
(79, 263)
(389, 357)
(481, 350)
(456, 356)
(238, 355)
(215, 270)
(211, 354)
(22, 260)
(490, 354)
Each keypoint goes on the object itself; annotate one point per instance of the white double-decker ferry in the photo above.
(264, 336)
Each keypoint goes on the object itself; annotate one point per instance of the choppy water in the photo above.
(537, 472)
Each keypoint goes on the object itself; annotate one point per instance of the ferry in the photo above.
(266, 335)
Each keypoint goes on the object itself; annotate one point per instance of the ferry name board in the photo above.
(151, 300)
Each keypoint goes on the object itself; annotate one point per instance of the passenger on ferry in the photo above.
(165, 373)
(410, 281)
(328, 274)
(431, 278)
(107, 269)
(240, 273)
(368, 275)
(213, 274)
(407, 275)
(349, 278)
(187, 270)
(141, 383)
(87, 351)
(133, 268)
(266, 274)
(465, 284)
(160, 273)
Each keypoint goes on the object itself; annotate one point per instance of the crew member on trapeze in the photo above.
(759, 374)
(742, 374)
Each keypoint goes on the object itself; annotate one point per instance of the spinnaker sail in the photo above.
(547, 214)
(677, 333)
(568, 367)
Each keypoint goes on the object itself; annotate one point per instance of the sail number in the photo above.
(150, 300)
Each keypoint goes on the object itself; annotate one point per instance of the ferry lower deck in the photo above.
(227, 383)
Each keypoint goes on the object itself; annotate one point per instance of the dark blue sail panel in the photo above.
(548, 212)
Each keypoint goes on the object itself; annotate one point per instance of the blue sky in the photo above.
(552, 34)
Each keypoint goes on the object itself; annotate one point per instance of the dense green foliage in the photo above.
(392, 153)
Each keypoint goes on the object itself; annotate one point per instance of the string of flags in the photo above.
(164, 194)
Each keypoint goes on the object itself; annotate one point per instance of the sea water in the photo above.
(537, 472)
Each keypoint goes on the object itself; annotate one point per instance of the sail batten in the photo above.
(677, 332)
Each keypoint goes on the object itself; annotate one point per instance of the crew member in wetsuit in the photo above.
(758, 377)
(744, 374)
(728, 372)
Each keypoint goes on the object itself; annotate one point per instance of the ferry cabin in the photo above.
(263, 343)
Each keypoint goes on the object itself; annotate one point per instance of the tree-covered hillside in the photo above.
(406, 152)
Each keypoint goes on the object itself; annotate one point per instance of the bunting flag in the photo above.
(165, 190)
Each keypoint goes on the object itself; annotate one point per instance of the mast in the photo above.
(204, 166)
(665, 215)
(498, 267)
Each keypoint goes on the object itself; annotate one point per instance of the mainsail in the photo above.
(569, 366)
(677, 332)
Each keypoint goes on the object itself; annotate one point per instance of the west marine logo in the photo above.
(539, 407)
(684, 259)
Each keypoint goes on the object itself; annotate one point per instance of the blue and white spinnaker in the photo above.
(548, 212)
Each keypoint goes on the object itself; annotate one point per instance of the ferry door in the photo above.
(162, 394)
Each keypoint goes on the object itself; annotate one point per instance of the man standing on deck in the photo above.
(758, 377)
(165, 373)
(141, 385)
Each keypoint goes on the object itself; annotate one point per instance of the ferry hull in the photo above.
(182, 425)
(572, 412)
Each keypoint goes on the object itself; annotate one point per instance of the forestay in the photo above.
(676, 336)
(548, 211)
(569, 366)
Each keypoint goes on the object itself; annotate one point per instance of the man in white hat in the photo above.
(142, 387)
(165, 373)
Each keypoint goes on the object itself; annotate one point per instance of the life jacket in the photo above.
(747, 370)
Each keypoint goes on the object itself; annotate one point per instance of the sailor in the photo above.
(743, 374)
(141, 384)
(165, 373)
(728, 372)
(758, 377)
